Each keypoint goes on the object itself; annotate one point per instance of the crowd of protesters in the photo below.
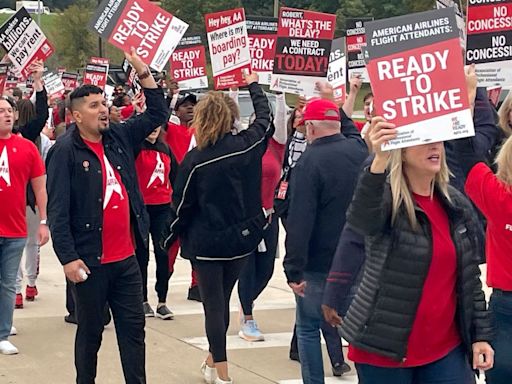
(381, 247)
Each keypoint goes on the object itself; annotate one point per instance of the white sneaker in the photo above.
(220, 381)
(6, 348)
(209, 373)
(14, 331)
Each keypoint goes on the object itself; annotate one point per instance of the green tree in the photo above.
(75, 43)
(349, 9)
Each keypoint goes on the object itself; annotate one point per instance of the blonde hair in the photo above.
(401, 191)
(504, 162)
(212, 119)
(505, 123)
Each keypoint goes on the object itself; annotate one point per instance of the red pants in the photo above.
(173, 254)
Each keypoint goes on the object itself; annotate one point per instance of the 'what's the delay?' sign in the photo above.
(489, 41)
(24, 42)
(303, 47)
(153, 32)
(417, 77)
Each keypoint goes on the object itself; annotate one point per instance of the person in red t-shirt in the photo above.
(492, 194)
(20, 164)
(180, 139)
(156, 170)
(95, 207)
(419, 311)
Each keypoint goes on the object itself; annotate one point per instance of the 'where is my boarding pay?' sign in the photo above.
(153, 32)
(24, 42)
(417, 77)
(229, 47)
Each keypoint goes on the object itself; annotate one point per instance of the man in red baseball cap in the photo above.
(321, 188)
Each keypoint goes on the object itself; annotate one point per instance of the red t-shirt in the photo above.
(116, 234)
(434, 332)
(271, 163)
(20, 162)
(179, 137)
(359, 124)
(153, 169)
(494, 198)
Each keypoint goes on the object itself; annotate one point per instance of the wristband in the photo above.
(43, 222)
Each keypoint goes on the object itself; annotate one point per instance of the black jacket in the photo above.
(398, 258)
(75, 183)
(31, 131)
(217, 194)
(322, 184)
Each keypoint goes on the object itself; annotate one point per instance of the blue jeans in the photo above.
(309, 320)
(10, 255)
(501, 306)
(452, 369)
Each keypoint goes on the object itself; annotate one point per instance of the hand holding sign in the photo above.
(145, 77)
(37, 69)
(471, 82)
(355, 83)
(250, 77)
(380, 133)
(325, 90)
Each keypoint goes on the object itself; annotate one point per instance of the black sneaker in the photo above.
(71, 319)
(340, 368)
(148, 311)
(164, 313)
(193, 293)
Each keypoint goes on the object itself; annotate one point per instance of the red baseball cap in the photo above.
(321, 109)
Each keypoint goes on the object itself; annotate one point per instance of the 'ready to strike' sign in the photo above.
(262, 31)
(489, 41)
(188, 64)
(417, 76)
(70, 81)
(153, 32)
(303, 47)
(229, 47)
(24, 42)
(96, 74)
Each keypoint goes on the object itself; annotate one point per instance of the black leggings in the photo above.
(216, 282)
(158, 216)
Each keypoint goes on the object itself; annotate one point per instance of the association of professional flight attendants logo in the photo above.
(113, 185)
(158, 172)
(4, 167)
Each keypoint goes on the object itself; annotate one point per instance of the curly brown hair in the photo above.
(213, 118)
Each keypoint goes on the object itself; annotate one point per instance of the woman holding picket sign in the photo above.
(419, 313)
(217, 209)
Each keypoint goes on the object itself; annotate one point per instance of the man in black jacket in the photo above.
(94, 204)
(321, 190)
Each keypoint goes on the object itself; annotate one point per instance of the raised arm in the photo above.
(280, 118)
(262, 126)
(139, 127)
(34, 127)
